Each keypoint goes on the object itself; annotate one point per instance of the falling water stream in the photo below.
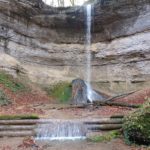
(91, 94)
(61, 130)
(88, 51)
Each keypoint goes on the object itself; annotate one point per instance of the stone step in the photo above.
(105, 121)
(46, 121)
(18, 122)
(22, 128)
(17, 133)
(104, 127)
(17, 127)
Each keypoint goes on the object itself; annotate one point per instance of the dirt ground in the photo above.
(40, 104)
(37, 102)
(20, 144)
(55, 111)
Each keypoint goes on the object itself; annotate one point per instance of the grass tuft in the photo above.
(9, 82)
(106, 138)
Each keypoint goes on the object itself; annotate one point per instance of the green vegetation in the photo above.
(11, 83)
(18, 117)
(107, 137)
(137, 126)
(60, 91)
(4, 100)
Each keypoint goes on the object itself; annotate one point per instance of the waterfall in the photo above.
(88, 42)
(61, 130)
(88, 51)
(91, 94)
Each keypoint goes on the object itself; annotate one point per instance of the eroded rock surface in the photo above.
(49, 42)
(82, 93)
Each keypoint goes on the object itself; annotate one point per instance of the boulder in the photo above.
(82, 93)
(79, 92)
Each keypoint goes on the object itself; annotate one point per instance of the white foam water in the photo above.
(61, 130)
(60, 138)
(88, 51)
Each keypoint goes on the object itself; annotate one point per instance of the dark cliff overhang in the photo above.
(111, 18)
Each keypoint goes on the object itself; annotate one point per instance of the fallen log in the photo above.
(108, 103)
(105, 127)
(119, 96)
(18, 122)
(117, 116)
(16, 127)
(45, 121)
(26, 122)
(105, 121)
(100, 103)
(81, 106)
(16, 133)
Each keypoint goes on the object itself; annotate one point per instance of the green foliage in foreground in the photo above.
(137, 126)
(18, 117)
(106, 138)
(60, 91)
(10, 83)
(4, 100)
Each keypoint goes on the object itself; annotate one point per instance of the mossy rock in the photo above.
(136, 126)
(60, 91)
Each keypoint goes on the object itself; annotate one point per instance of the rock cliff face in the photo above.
(48, 43)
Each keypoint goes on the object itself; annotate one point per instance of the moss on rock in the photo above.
(137, 126)
(18, 117)
(61, 91)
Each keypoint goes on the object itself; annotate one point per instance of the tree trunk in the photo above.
(105, 121)
(17, 133)
(106, 127)
(107, 103)
(119, 96)
(18, 122)
(16, 127)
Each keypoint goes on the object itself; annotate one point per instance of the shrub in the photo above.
(137, 126)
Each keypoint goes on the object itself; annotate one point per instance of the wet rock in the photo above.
(82, 94)
(79, 92)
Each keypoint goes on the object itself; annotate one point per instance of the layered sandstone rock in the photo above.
(49, 42)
